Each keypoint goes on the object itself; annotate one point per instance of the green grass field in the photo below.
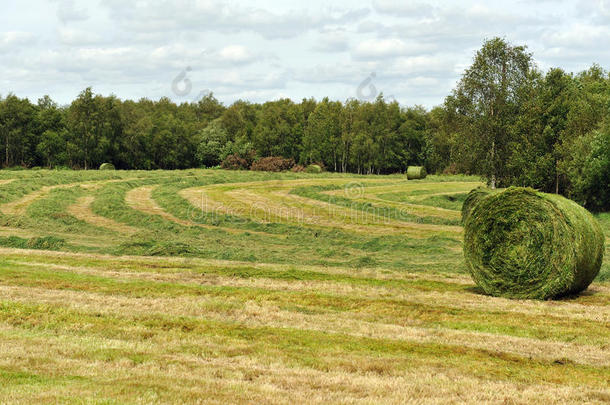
(214, 287)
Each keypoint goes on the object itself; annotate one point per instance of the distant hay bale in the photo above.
(416, 172)
(520, 243)
(313, 169)
(107, 166)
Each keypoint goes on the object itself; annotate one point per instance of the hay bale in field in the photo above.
(473, 198)
(106, 166)
(313, 169)
(520, 243)
(416, 172)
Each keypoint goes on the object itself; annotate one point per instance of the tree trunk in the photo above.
(493, 165)
(556, 181)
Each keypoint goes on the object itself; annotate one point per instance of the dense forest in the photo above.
(505, 120)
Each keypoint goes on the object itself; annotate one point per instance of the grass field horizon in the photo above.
(251, 287)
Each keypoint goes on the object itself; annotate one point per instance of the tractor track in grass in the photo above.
(20, 206)
(273, 202)
(82, 211)
(140, 199)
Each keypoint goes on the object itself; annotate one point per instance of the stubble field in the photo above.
(213, 286)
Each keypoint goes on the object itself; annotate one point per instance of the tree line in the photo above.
(505, 120)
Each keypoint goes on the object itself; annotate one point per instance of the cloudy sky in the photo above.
(262, 50)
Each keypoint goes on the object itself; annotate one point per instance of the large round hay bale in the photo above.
(519, 243)
(106, 166)
(416, 172)
(472, 199)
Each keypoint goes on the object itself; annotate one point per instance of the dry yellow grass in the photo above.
(82, 210)
(321, 318)
(272, 202)
(19, 206)
(140, 199)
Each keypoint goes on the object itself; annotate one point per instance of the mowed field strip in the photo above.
(208, 286)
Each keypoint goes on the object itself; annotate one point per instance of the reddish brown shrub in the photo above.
(234, 162)
(273, 164)
(451, 169)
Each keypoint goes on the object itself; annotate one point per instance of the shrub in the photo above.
(313, 169)
(273, 164)
(520, 243)
(234, 162)
(451, 169)
(297, 169)
(107, 166)
(416, 172)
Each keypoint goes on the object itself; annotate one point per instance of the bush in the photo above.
(107, 166)
(520, 243)
(273, 164)
(298, 169)
(313, 169)
(452, 169)
(234, 162)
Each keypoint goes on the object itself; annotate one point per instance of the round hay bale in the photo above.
(472, 199)
(313, 169)
(106, 166)
(416, 172)
(520, 243)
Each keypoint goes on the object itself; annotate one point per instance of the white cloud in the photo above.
(77, 37)
(404, 8)
(261, 49)
(68, 11)
(331, 41)
(577, 36)
(15, 39)
(236, 54)
(335, 73)
(386, 48)
(212, 15)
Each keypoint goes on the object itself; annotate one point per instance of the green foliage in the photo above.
(520, 243)
(589, 170)
(486, 104)
(279, 129)
(213, 140)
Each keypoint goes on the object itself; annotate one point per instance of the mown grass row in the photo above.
(246, 311)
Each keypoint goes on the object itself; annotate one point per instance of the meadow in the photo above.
(212, 286)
